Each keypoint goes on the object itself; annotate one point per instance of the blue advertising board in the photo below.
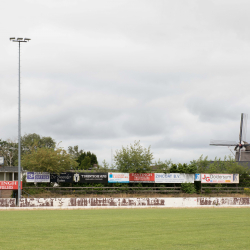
(118, 177)
(38, 177)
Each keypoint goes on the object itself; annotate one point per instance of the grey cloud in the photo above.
(103, 74)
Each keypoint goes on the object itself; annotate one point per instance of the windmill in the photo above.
(242, 138)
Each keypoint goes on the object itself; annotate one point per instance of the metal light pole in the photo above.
(19, 40)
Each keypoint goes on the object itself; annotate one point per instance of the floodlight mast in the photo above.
(19, 40)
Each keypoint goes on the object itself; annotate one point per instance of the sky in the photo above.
(103, 74)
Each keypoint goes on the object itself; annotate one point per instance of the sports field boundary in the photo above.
(89, 203)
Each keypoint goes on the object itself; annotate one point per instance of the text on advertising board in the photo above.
(220, 178)
(118, 177)
(63, 177)
(142, 177)
(94, 178)
(174, 178)
(10, 185)
(38, 177)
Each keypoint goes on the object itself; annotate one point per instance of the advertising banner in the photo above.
(118, 177)
(10, 185)
(142, 177)
(174, 178)
(38, 177)
(63, 177)
(220, 178)
(93, 177)
(197, 177)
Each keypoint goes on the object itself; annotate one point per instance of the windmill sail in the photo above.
(244, 127)
(223, 143)
(242, 138)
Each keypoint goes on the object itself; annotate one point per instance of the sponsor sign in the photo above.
(118, 177)
(220, 178)
(93, 178)
(38, 177)
(63, 177)
(142, 177)
(197, 177)
(10, 185)
(174, 178)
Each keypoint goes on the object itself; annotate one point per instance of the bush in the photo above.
(247, 191)
(188, 188)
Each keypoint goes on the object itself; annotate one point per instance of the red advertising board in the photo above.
(10, 185)
(142, 177)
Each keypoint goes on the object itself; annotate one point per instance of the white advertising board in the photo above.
(118, 177)
(220, 178)
(174, 178)
(38, 177)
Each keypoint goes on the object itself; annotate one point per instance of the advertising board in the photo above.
(197, 177)
(10, 185)
(93, 178)
(142, 177)
(220, 178)
(174, 178)
(118, 177)
(38, 177)
(63, 177)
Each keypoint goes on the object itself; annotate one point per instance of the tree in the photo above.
(162, 167)
(133, 158)
(48, 160)
(173, 168)
(75, 151)
(8, 149)
(86, 163)
(202, 164)
(227, 166)
(81, 160)
(33, 141)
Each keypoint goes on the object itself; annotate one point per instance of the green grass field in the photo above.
(216, 228)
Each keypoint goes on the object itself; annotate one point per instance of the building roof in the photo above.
(8, 169)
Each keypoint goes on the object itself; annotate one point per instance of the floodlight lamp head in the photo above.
(19, 38)
(12, 38)
(27, 39)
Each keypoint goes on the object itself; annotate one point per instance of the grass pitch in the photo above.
(216, 228)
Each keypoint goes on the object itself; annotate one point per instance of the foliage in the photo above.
(133, 158)
(191, 168)
(86, 163)
(188, 188)
(163, 167)
(8, 149)
(202, 164)
(34, 141)
(48, 160)
(173, 168)
(29, 142)
(247, 191)
(228, 165)
(75, 151)
(104, 167)
(89, 162)
(183, 168)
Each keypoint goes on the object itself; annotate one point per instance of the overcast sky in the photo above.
(102, 74)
